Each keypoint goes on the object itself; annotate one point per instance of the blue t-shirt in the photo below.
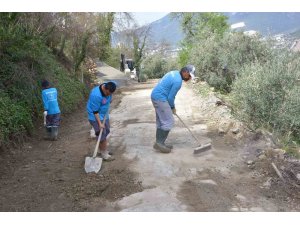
(50, 102)
(98, 103)
(167, 88)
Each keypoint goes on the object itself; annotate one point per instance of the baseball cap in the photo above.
(191, 70)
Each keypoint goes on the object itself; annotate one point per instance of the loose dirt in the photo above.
(49, 176)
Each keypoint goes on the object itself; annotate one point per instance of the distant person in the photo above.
(163, 98)
(97, 107)
(122, 63)
(51, 110)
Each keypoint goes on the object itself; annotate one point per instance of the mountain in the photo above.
(266, 23)
(166, 29)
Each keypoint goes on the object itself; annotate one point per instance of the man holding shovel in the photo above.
(97, 107)
(51, 110)
(163, 97)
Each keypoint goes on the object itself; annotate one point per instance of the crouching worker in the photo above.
(97, 107)
(51, 110)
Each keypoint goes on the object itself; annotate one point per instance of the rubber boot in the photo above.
(54, 133)
(161, 136)
(157, 138)
(48, 133)
(165, 134)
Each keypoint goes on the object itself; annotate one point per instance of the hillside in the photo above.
(171, 28)
(266, 23)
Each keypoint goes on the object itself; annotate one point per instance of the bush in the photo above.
(156, 66)
(25, 61)
(143, 77)
(219, 61)
(267, 94)
(15, 120)
(114, 58)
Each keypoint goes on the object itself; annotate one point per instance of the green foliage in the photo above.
(265, 82)
(184, 54)
(137, 53)
(15, 120)
(202, 46)
(80, 52)
(139, 42)
(25, 61)
(156, 66)
(267, 94)
(188, 23)
(70, 90)
(36, 46)
(217, 54)
(21, 102)
(143, 76)
(219, 61)
(202, 25)
(104, 29)
(114, 58)
(211, 23)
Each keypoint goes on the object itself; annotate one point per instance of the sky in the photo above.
(143, 18)
(150, 6)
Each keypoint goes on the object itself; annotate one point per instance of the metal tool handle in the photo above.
(99, 137)
(187, 128)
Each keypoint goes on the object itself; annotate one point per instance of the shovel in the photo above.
(93, 164)
(200, 148)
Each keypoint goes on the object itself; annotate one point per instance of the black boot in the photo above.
(161, 136)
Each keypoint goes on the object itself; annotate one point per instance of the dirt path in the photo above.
(49, 176)
(218, 180)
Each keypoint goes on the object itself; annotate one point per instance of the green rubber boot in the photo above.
(161, 136)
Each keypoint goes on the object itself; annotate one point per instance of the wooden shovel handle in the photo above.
(99, 137)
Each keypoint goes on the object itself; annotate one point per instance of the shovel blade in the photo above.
(92, 164)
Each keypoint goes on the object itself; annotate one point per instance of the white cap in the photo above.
(191, 70)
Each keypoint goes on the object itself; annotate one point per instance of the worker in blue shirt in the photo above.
(51, 110)
(97, 107)
(163, 99)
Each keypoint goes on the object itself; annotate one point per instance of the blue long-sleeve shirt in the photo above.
(50, 102)
(167, 88)
(98, 102)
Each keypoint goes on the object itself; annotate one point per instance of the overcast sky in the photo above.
(147, 17)
(150, 6)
